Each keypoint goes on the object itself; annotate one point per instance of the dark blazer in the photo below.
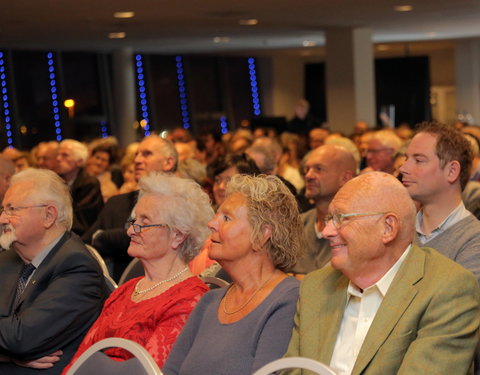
(427, 323)
(63, 298)
(113, 242)
(87, 201)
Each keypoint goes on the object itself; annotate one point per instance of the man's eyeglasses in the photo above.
(338, 219)
(137, 228)
(10, 210)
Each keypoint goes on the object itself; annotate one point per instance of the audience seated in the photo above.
(169, 228)
(435, 172)
(108, 234)
(46, 311)
(327, 168)
(87, 198)
(99, 163)
(46, 155)
(382, 146)
(383, 305)
(7, 170)
(256, 234)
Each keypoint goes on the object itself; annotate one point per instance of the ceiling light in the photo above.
(432, 34)
(221, 39)
(128, 14)
(119, 35)
(403, 8)
(309, 43)
(248, 22)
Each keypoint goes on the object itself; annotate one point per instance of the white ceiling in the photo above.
(169, 26)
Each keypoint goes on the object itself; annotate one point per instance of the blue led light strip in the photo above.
(104, 129)
(142, 93)
(6, 104)
(254, 87)
(183, 92)
(223, 124)
(53, 90)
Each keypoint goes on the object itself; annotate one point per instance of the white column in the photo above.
(124, 95)
(467, 77)
(350, 80)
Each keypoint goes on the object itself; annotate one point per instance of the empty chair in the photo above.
(94, 361)
(295, 363)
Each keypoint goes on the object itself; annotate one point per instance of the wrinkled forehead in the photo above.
(19, 193)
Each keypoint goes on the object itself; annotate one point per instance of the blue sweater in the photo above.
(206, 346)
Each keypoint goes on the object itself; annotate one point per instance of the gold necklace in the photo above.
(137, 291)
(224, 306)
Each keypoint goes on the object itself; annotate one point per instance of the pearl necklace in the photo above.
(224, 306)
(137, 291)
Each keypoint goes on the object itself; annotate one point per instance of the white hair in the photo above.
(187, 209)
(80, 151)
(48, 187)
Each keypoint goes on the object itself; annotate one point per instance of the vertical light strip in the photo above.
(6, 103)
(104, 129)
(183, 92)
(145, 122)
(53, 90)
(254, 87)
(223, 124)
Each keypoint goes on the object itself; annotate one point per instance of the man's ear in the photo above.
(390, 228)
(452, 171)
(51, 215)
(169, 164)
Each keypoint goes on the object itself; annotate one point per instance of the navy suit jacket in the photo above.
(63, 298)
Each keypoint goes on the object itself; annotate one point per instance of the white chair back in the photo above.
(295, 363)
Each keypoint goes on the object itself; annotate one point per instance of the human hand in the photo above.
(41, 363)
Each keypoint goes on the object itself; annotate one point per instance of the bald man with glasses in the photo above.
(384, 305)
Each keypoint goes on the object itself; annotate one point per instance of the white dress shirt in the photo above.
(359, 313)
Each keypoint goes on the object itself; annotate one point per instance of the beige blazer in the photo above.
(427, 323)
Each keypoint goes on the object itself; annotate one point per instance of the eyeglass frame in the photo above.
(138, 228)
(341, 217)
(10, 210)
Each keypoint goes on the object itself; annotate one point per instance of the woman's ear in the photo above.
(266, 234)
(177, 238)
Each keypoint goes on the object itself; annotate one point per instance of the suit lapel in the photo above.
(331, 318)
(43, 270)
(399, 296)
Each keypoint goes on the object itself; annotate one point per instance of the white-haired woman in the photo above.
(256, 234)
(170, 226)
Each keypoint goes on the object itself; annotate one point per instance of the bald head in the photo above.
(380, 192)
(327, 168)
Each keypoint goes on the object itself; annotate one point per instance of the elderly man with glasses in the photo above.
(52, 289)
(384, 305)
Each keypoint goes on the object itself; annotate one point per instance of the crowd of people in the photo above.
(361, 251)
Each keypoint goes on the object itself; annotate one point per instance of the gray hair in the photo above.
(80, 151)
(167, 149)
(187, 210)
(270, 203)
(48, 187)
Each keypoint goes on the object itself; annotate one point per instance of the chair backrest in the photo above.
(295, 363)
(98, 258)
(93, 361)
(214, 282)
(134, 269)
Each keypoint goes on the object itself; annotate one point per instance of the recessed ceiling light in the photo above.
(221, 39)
(119, 35)
(383, 47)
(128, 14)
(403, 8)
(248, 22)
(309, 43)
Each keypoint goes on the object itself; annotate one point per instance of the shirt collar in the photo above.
(38, 259)
(454, 217)
(384, 283)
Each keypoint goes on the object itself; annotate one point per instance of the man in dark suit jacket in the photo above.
(42, 324)
(86, 194)
(108, 234)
